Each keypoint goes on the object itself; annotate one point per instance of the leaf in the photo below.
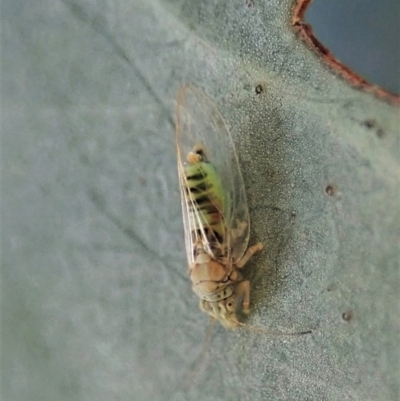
(96, 302)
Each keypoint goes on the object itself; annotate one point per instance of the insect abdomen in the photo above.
(205, 199)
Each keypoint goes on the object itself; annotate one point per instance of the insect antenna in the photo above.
(272, 333)
(190, 378)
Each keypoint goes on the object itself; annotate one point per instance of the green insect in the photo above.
(215, 212)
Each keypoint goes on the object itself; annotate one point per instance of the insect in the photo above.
(215, 212)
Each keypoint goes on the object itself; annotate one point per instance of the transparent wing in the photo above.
(198, 122)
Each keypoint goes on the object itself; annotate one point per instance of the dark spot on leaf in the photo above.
(369, 123)
(250, 3)
(331, 190)
(347, 316)
(260, 88)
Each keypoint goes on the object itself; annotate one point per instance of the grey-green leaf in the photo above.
(96, 303)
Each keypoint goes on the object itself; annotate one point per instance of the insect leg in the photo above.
(250, 252)
(243, 290)
(239, 230)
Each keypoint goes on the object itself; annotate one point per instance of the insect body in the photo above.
(215, 212)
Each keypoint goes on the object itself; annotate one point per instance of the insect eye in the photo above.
(226, 279)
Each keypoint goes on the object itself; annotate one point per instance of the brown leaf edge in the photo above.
(306, 32)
